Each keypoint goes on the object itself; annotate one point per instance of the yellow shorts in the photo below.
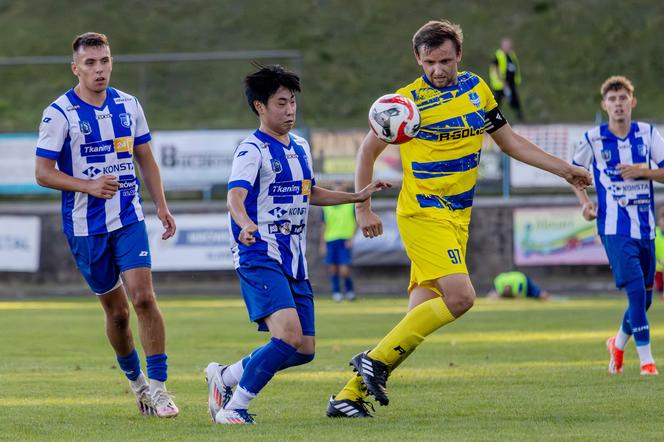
(436, 248)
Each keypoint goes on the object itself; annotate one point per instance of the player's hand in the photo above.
(103, 187)
(373, 187)
(630, 172)
(246, 236)
(369, 223)
(168, 222)
(578, 177)
(589, 211)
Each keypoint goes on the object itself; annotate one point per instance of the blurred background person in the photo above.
(516, 284)
(505, 76)
(659, 253)
(336, 245)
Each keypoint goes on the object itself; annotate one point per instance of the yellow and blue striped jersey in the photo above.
(440, 164)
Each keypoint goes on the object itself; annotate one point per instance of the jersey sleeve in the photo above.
(657, 148)
(142, 130)
(53, 131)
(246, 164)
(583, 153)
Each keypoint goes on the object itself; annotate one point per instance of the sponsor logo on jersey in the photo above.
(143, 253)
(98, 148)
(606, 154)
(46, 119)
(285, 228)
(85, 127)
(474, 99)
(286, 188)
(127, 185)
(72, 108)
(459, 134)
(116, 168)
(276, 165)
(124, 144)
(104, 116)
(125, 119)
(91, 172)
(297, 211)
(277, 212)
(119, 100)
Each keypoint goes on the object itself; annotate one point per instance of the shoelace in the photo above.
(364, 404)
(244, 414)
(163, 399)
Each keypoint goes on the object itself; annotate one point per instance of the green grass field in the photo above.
(507, 370)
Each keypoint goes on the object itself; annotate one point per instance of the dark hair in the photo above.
(89, 39)
(434, 33)
(265, 82)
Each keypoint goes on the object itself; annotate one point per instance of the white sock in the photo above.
(621, 339)
(240, 399)
(156, 386)
(137, 384)
(645, 355)
(231, 376)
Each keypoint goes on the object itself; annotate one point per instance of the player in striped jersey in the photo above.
(620, 155)
(433, 211)
(270, 189)
(94, 132)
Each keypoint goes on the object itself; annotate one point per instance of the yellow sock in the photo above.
(411, 331)
(353, 390)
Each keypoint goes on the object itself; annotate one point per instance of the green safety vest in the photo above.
(659, 248)
(339, 222)
(497, 79)
(516, 280)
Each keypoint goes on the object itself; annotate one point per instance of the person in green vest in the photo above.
(336, 245)
(505, 76)
(659, 253)
(516, 284)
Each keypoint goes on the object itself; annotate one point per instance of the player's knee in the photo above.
(144, 302)
(461, 302)
(293, 338)
(119, 318)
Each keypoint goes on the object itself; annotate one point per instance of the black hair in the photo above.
(265, 82)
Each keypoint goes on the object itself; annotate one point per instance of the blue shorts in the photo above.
(532, 290)
(266, 289)
(101, 258)
(630, 259)
(338, 253)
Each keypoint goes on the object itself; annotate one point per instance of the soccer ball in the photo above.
(394, 119)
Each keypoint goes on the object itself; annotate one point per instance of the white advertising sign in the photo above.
(201, 242)
(20, 238)
(17, 168)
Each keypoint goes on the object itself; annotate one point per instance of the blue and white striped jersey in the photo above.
(625, 207)
(279, 179)
(88, 142)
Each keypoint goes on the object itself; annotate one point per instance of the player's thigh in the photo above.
(94, 259)
(115, 303)
(624, 257)
(131, 248)
(419, 294)
(284, 324)
(303, 296)
(648, 263)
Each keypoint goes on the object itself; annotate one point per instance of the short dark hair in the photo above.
(265, 82)
(434, 33)
(89, 39)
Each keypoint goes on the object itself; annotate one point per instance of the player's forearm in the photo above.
(152, 179)
(235, 204)
(325, 197)
(582, 196)
(370, 149)
(655, 175)
(55, 179)
(523, 150)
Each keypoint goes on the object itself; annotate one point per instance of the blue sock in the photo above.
(297, 359)
(334, 281)
(264, 364)
(626, 326)
(636, 308)
(157, 367)
(648, 298)
(349, 284)
(130, 364)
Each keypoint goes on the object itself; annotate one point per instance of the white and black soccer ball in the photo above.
(394, 119)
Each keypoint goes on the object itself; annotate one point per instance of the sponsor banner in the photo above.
(20, 238)
(387, 249)
(201, 242)
(196, 159)
(17, 169)
(554, 236)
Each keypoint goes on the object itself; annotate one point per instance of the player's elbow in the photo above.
(41, 176)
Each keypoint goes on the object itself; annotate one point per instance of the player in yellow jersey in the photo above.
(433, 212)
